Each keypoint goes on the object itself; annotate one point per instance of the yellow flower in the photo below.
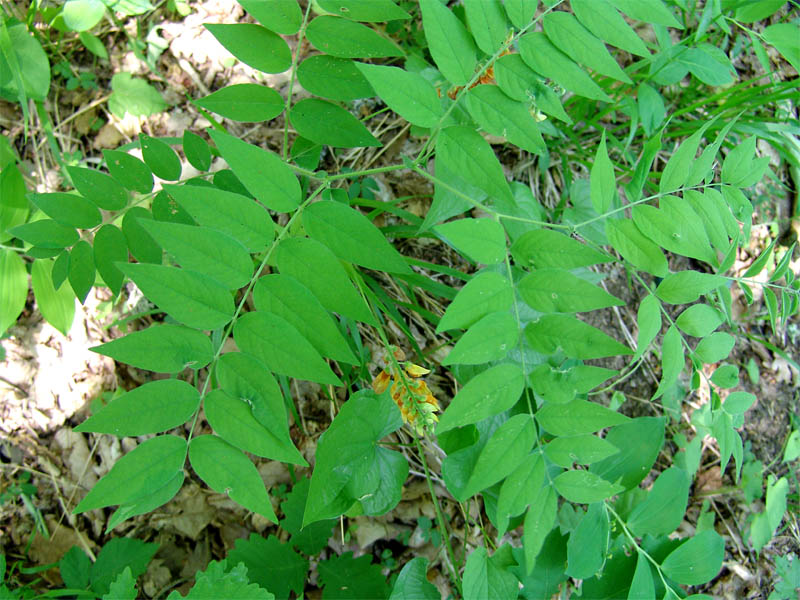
(411, 394)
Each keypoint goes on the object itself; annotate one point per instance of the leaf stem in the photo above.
(295, 56)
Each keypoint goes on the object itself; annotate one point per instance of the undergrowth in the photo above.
(273, 270)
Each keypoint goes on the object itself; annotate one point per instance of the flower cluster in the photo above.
(411, 394)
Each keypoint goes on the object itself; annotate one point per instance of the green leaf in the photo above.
(68, 209)
(679, 166)
(576, 338)
(129, 171)
(313, 538)
(316, 267)
(675, 227)
(521, 488)
(233, 420)
(740, 167)
(282, 348)
(14, 205)
(148, 503)
(482, 240)
(161, 159)
(705, 67)
(485, 293)
(80, 15)
(343, 38)
(519, 82)
(687, 286)
(216, 583)
(539, 520)
(756, 11)
(254, 45)
(205, 251)
(783, 36)
(574, 40)
(153, 407)
(544, 248)
(286, 297)
(335, 78)
(672, 360)
(491, 338)
(348, 457)
(725, 376)
(246, 102)
(577, 417)
(467, 154)
(499, 115)
(642, 585)
(487, 22)
(188, 297)
(639, 441)
(141, 244)
(711, 209)
(483, 578)
(281, 16)
(98, 187)
(117, 556)
(697, 560)
(60, 269)
(606, 23)
(271, 564)
(149, 466)
(263, 173)
(649, 11)
(408, 94)
(352, 237)
(648, 319)
(196, 150)
(505, 450)
(81, 269)
(450, 45)
(227, 470)
(133, 96)
(56, 306)
(487, 394)
(161, 348)
(45, 233)
(588, 543)
(584, 487)
(521, 12)
(123, 587)
(651, 109)
(24, 57)
(93, 44)
(764, 524)
(582, 449)
(14, 290)
(699, 320)
(246, 378)
(365, 10)
(560, 386)
(110, 248)
(74, 568)
(558, 290)
(715, 347)
(602, 182)
(238, 216)
(326, 123)
(345, 578)
(412, 582)
(662, 511)
(792, 450)
(546, 59)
